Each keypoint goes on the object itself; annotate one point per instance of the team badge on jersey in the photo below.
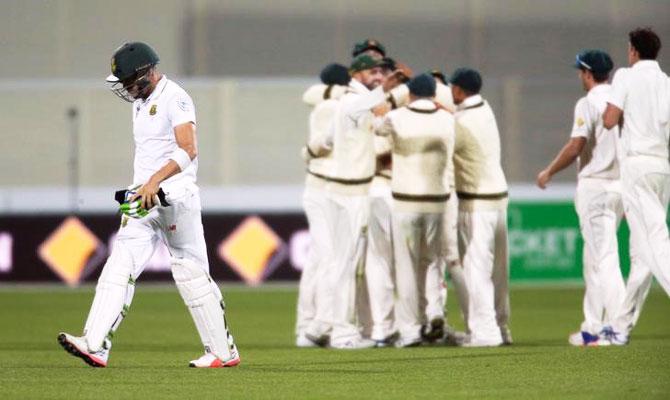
(152, 110)
(580, 122)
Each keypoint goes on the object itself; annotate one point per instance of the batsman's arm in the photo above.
(565, 157)
(186, 152)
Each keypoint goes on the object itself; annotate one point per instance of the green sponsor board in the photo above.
(545, 242)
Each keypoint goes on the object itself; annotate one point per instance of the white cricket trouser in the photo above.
(646, 193)
(179, 226)
(417, 239)
(314, 298)
(349, 216)
(379, 273)
(483, 247)
(600, 209)
(451, 257)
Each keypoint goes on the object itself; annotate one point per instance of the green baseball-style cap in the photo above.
(363, 62)
(368, 44)
(594, 60)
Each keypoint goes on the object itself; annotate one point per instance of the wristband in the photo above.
(181, 157)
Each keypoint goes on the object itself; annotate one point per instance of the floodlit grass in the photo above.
(153, 346)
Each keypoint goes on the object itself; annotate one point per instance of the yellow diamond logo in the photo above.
(253, 250)
(71, 250)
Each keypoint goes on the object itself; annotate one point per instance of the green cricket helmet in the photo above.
(130, 66)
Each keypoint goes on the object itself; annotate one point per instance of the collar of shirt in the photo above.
(423, 104)
(471, 101)
(357, 87)
(644, 64)
(601, 87)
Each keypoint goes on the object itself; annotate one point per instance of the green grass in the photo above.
(155, 343)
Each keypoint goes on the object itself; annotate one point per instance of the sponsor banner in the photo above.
(544, 244)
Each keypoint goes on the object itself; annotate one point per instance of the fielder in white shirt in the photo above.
(640, 104)
(482, 218)
(422, 141)
(315, 296)
(598, 200)
(436, 290)
(165, 168)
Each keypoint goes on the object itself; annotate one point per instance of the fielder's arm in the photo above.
(565, 157)
(612, 116)
(187, 151)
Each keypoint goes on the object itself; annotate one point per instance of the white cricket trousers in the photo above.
(417, 241)
(483, 247)
(646, 193)
(600, 208)
(349, 215)
(379, 270)
(179, 226)
(314, 295)
(452, 259)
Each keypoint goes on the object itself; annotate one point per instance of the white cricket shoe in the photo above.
(303, 341)
(481, 343)
(354, 344)
(77, 346)
(614, 338)
(583, 338)
(209, 360)
(404, 342)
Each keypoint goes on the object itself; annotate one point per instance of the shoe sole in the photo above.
(219, 364)
(75, 351)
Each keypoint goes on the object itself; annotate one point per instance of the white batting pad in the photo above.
(112, 297)
(205, 303)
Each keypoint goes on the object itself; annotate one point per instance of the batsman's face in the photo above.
(372, 77)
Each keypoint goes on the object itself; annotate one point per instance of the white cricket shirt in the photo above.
(598, 159)
(643, 93)
(154, 120)
(422, 137)
(353, 143)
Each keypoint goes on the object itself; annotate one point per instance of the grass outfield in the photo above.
(152, 349)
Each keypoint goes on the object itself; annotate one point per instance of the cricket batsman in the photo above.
(163, 203)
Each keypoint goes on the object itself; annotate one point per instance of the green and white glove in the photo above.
(132, 209)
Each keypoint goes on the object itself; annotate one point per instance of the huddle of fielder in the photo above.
(404, 183)
(620, 138)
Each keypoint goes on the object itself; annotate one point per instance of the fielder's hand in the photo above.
(543, 178)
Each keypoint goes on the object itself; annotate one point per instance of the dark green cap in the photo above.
(363, 62)
(335, 74)
(132, 58)
(368, 44)
(467, 79)
(596, 61)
